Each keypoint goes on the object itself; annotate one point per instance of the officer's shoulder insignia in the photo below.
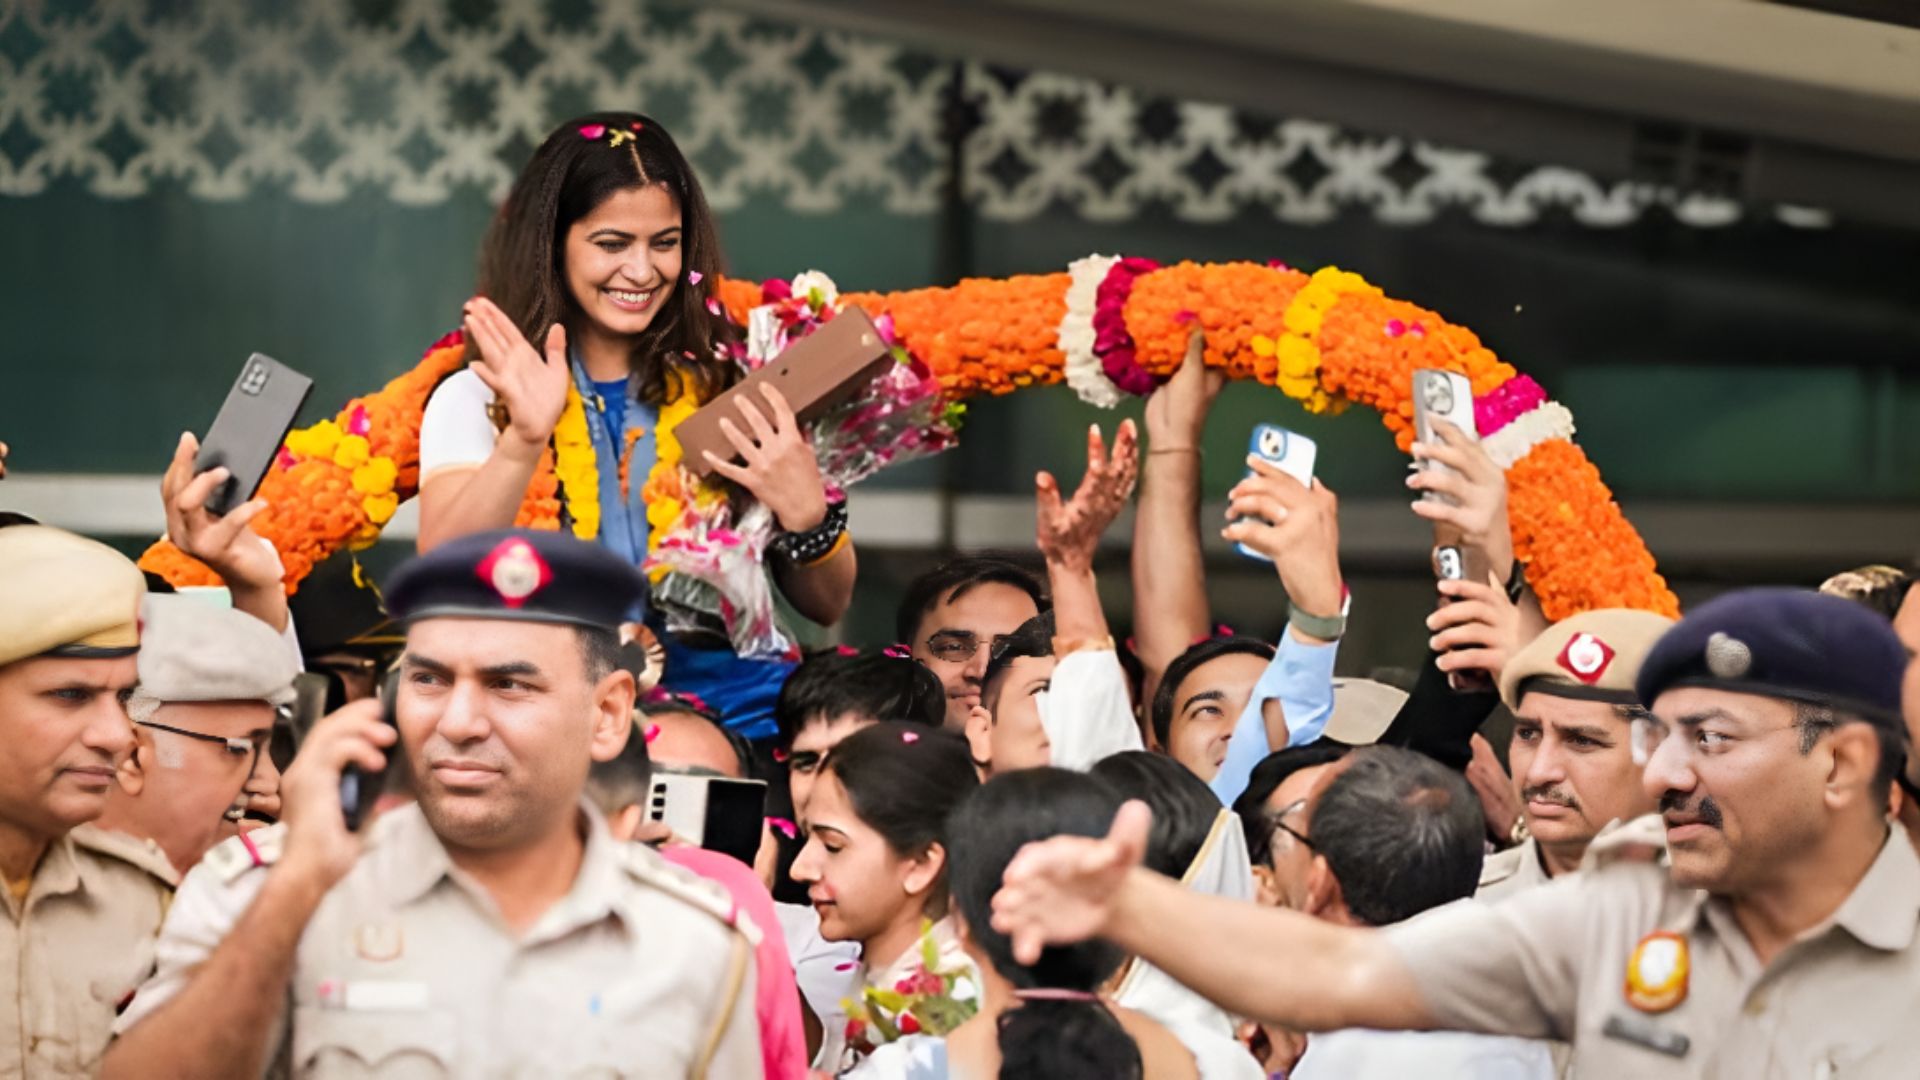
(1501, 865)
(1641, 840)
(709, 896)
(236, 855)
(143, 854)
(1657, 972)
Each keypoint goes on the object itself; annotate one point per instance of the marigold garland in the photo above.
(574, 466)
(1325, 340)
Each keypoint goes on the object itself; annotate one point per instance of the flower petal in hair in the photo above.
(909, 737)
(694, 276)
(784, 827)
(592, 131)
(651, 733)
(619, 137)
(898, 652)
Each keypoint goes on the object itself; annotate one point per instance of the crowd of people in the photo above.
(1005, 843)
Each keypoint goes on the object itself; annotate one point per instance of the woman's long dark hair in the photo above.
(1184, 807)
(903, 780)
(522, 261)
(1042, 1037)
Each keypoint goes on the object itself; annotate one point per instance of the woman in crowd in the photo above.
(875, 862)
(591, 282)
(1047, 1018)
(1199, 843)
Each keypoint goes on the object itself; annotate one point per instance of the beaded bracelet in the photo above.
(817, 543)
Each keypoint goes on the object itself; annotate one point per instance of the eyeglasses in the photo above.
(1278, 825)
(249, 748)
(960, 646)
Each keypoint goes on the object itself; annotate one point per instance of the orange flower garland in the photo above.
(1326, 340)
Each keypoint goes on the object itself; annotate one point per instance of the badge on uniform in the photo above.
(1657, 972)
(378, 942)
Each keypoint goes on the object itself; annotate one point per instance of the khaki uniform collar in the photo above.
(58, 873)
(1882, 912)
(414, 862)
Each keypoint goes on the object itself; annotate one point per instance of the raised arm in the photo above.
(245, 561)
(532, 385)
(244, 980)
(1169, 576)
(1087, 717)
(1071, 888)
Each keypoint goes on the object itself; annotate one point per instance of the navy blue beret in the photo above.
(1784, 643)
(521, 574)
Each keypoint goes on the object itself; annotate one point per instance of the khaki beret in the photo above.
(193, 650)
(1593, 656)
(66, 595)
(1362, 709)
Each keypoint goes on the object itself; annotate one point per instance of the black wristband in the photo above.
(1517, 584)
(814, 544)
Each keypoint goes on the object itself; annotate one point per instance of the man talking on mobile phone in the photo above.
(495, 926)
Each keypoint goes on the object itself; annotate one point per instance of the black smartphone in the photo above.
(360, 789)
(250, 428)
(716, 812)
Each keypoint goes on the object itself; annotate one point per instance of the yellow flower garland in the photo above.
(574, 464)
(1297, 350)
(666, 488)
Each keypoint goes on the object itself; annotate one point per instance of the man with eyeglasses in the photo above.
(1572, 756)
(211, 683)
(83, 906)
(1782, 938)
(952, 616)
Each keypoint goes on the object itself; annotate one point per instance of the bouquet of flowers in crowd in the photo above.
(713, 566)
(936, 996)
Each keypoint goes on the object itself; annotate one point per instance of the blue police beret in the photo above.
(518, 574)
(1784, 643)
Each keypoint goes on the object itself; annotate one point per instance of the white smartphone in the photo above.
(716, 812)
(1441, 395)
(1290, 452)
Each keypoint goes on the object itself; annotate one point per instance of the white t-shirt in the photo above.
(455, 432)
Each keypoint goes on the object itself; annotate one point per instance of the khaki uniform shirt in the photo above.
(406, 969)
(76, 949)
(1552, 962)
(1513, 870)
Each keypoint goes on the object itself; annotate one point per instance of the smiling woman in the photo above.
(587, 341)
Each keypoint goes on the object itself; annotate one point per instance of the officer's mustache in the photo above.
(1550, 793)
(1706, 812)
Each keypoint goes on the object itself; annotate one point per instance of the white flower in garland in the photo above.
(1083, 370)
(812, 282)
(1547, 420)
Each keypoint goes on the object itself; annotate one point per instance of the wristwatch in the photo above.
(1323, 627)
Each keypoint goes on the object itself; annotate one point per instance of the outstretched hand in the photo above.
(532, 386)
(1068, 532)
(1296, 526)
(1473, 490)
(1477, 629)
(1065, 890)
(226, 544)
(778, 466)
(1177, 410)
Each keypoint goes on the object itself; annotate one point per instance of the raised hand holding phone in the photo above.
(1443, 400)
(252, 424)
(318, 841)
(1292, 454)
(360, 787)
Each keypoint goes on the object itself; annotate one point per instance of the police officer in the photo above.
(1782, 942)
(211, 680)
(83, 906)
(495, 927)
(1572, 755)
